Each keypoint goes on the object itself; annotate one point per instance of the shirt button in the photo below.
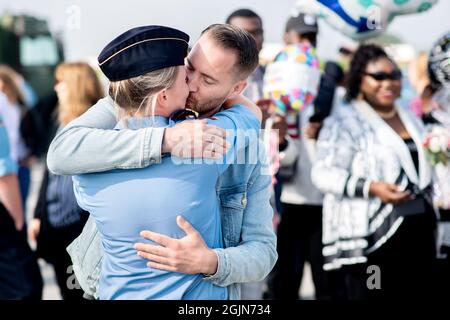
(244, 201)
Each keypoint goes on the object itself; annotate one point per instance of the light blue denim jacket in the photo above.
(7, 165)
(243, 190)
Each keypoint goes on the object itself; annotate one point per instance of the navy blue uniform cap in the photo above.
(141, 50)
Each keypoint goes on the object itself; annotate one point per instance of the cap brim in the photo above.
(306, 29)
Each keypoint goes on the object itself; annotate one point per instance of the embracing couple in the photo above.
(161, 227)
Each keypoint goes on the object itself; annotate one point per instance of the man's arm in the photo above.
(255, 255)
(323, 103)
(89, 143)
(250, 260)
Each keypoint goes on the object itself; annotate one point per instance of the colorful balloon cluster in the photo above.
(291, 81)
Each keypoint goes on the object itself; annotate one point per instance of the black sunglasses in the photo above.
(380, 76)
(184, 114)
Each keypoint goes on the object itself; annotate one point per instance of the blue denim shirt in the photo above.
(7, 165)
(249, 252)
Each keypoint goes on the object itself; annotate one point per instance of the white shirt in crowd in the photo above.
(11, 115)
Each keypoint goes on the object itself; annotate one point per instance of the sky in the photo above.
(86, 26)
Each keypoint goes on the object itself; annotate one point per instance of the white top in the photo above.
(301, 190)
(11, 117)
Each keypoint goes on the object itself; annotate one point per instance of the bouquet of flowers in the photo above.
(437, 146)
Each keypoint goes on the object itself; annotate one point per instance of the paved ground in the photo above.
(51, 291)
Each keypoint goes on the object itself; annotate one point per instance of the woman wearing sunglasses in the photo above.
(378, 223)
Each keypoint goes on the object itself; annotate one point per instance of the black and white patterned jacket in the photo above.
(356, 147)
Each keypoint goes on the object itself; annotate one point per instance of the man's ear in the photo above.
(286, 38)
(237, 89)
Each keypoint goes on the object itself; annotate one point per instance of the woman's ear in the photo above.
(161, 98)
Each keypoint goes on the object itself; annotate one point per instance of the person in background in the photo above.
(58, 219)
(30, 98)
(36, 118)
(371, 166)
(346, 53)
(332, 77)
(420, 80)
(35, 124)
(345, 56)
(300, 228)
(20, 277)
(13, 113)
(252, 23)
(439, 75)
(329, 98)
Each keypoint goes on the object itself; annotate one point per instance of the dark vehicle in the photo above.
(27, 45)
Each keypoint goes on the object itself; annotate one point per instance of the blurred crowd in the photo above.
(358, 181)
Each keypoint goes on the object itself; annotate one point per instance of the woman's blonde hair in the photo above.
(83, 89)
(138, 95)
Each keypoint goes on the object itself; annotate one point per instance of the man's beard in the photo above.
(204, 107)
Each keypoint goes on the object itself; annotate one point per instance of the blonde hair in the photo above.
(83, 90)
(137, 96)
(10, 87)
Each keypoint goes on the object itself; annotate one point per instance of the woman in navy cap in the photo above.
(149, 84)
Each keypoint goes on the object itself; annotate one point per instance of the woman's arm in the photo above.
(89, 143)
(9, 185)
(34, 226)
(11, 199)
